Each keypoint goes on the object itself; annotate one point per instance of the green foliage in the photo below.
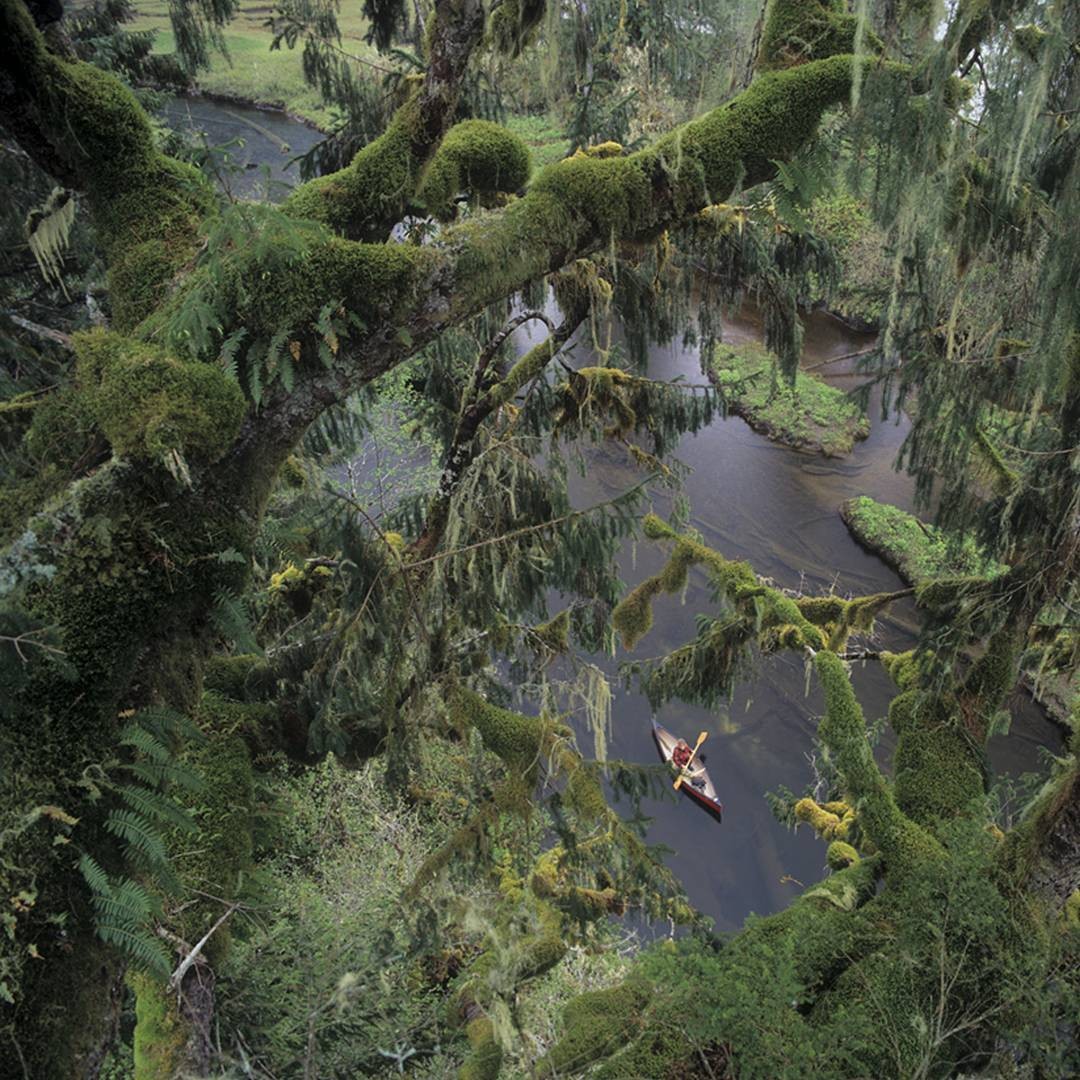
(809, 415)
(861, 291)
(123, 906)
(329, 966)
(123, 909)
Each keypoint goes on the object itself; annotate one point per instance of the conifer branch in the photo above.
(551, 524)
(463, 446)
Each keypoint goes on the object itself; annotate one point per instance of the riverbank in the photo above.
(811, 415)
(919, 552)
(251, 73)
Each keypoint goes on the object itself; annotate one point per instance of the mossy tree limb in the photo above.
(131, 600)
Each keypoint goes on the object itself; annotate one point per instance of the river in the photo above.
(753, 500)
(254, 149)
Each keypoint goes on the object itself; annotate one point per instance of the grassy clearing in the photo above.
(915, 550)
(809, 416)
(543, 136)
(251, 71)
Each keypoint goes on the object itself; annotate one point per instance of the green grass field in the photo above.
(251, 70)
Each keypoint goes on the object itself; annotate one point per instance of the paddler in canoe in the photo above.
(692, 778)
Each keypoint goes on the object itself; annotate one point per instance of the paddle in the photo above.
(685, 771)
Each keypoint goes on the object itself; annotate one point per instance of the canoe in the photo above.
(697, 785)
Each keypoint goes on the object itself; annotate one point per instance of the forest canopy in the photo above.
(307, 767)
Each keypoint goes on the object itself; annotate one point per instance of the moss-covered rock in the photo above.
(811, 415)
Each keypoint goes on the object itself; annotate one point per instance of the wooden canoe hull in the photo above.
(698, 785)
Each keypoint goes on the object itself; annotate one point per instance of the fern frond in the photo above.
(94, 875)
(169, 725)
(230, 615)
(152, 804)
(139, 834)
(157, 775)
(145, 742)
(47, 232)
(139, 945)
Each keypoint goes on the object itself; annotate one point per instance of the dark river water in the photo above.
(778, 509)
(753, 500)
(252, 149)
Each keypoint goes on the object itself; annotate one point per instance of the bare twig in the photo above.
(177, 977)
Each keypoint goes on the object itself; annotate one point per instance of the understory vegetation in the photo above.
(808, 414)
(918, 552)
(316, 652)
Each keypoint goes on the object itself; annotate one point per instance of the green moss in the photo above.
(595, 1025)
(513, 24)
(861, 292)
(902, 668)
(825, 823)
(936, 772)
(769, 609)
(612, 195)
(915, 550)
(371, 193)
(485, 1058)
(841, 855)
(515, 738)
(159, 1034)
(222, 859)
(796, 31)
(227, 675)
(477, 158)
(147, 404)
(1070, 913)
(811, 415)
(61, 441)
(146, 207)
(555, 633)
(372, 281)
(1029, 40)
(633, 617)
(588, 200)
(903, 842)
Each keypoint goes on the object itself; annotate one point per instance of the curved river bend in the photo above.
(753, 500)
